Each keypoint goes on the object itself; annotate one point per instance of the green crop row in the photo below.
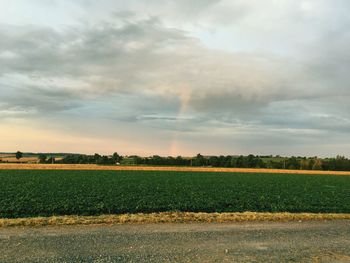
(45, 193)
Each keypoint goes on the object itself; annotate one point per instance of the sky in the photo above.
(175, 77)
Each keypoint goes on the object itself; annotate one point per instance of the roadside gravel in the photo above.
(313, 241)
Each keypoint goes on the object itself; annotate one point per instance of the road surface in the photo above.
(326, 241)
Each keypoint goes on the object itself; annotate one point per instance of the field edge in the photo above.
(87, 167)
(169, 217)
(94, 167)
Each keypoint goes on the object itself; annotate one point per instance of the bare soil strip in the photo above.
(170, 217)
(14, 166)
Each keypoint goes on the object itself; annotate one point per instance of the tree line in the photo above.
(339, 163)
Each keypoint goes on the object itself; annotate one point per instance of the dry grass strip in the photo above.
(14, 166)
(169, 217)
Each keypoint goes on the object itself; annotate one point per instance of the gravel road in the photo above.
(326, 241)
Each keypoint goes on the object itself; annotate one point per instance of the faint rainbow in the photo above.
(184, 101)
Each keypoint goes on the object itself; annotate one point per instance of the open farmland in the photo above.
(28, 193)
(12, 159)
(26, 159)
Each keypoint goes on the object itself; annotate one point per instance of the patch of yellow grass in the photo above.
(3, 155)
(24, 166)
(169, 217)
(22, 160)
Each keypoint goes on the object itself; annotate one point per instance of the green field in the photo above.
(29, 193)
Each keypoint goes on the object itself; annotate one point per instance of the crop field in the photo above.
(30, 193)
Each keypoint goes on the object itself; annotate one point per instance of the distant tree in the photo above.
(223, 161)
(179, 161)
(311, 163)
(136, 160)
(19, 155)
(233, 162)
(304, 164)
(317, 165)
(214, 161)
(116, 157)
(103, 160)
(156, 160)
(42, 158)
(239, 161)
(198, 160)
(170, 160)
(340, 163)
(292, 163)
(260, 163)
(250, 159)
(51, 160)
(97, 158)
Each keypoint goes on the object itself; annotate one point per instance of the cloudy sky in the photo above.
(175, 76)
